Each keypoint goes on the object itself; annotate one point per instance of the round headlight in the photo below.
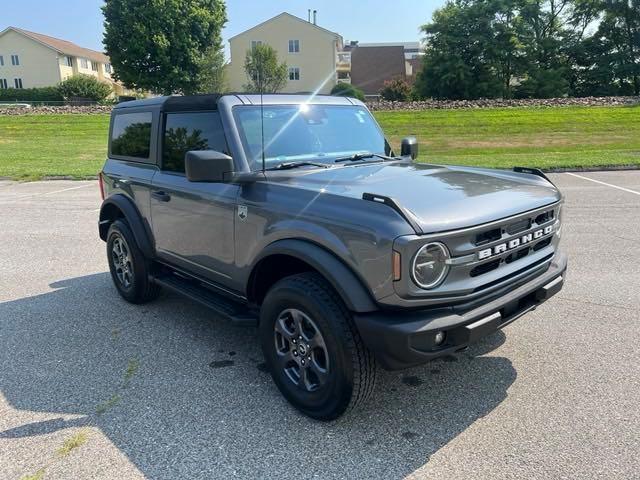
(429, 265)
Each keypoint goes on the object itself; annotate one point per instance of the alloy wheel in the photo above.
(301, 350)
(122, 262)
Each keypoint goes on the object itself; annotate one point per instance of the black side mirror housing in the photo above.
(208, 166)
(409, 147)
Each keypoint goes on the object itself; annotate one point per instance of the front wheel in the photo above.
(312, 348)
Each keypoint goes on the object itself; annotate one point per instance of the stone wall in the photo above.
(86, 110)
(376, 105)
(551, 102)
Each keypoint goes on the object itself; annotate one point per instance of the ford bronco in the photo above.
(294, 214)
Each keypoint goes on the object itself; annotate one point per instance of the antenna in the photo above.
(261, 119)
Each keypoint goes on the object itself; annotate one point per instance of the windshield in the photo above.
(294, 133)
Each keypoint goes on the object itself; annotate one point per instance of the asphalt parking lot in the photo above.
(92, 387)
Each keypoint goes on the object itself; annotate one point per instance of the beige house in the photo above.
(311, 53)
(29, 59)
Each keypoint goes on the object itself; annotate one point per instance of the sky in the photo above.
(80, 21)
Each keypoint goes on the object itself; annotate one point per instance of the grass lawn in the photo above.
(37, 146)
(546, 138)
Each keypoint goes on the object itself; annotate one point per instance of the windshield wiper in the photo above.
(290, 165)
(363, 156)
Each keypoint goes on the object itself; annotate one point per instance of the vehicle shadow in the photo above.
(183, 394)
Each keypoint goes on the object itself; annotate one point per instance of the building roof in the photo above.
(372, 66)
(286, 14)
(405, 45)
(63, 46)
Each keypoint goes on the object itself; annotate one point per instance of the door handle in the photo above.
(162, 196)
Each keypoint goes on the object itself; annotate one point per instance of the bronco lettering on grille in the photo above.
(515, 242)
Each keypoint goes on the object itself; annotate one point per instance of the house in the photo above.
(310, 51)
(29, 59)
(372, 64)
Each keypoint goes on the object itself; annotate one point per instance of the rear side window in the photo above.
(184, 132)
(131, 135)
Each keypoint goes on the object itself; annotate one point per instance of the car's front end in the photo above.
(453, 288)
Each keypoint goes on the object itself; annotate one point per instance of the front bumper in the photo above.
(401, 339)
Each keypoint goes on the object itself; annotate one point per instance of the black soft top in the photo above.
(178, 103)
(175, 103)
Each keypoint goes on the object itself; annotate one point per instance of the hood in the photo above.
(440, 197)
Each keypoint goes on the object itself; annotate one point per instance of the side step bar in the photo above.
(233, 311)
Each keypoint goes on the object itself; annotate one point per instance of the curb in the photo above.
(609, 168)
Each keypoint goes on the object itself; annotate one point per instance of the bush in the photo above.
(347, 90)
(396, 90)
(84, 86)
(44, 94)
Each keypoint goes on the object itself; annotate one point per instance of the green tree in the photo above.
(471, 51)
(264, 73)
(506, 52)
(542, 32)
(84, 86)
(619, 32)
(211, 73)
(163, 45)
(342, 89)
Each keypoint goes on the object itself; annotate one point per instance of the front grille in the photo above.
(484, 268)
(544, 217)
(541, 245)
(518, 227)
(488, 237)
(488, 257)
(514, 274)
(518, 255)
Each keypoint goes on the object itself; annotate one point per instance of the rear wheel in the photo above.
(313, 350)
(129, 268)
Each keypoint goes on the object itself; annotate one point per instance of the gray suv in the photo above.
(294, 214)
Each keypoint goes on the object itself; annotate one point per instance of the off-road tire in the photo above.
(352, 367)
(140, 289)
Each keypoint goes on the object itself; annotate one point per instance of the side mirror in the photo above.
(409, 147)
(208, 166)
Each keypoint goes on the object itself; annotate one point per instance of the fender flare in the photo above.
(139, 227)
(346, 283)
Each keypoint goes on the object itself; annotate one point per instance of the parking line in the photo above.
(603, 183)
(51, 193)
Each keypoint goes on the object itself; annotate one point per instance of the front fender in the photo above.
(347, 284)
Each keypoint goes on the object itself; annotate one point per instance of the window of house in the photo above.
(3, 83)
(94, 66)
(1, 61)
(294, 73)
(68, 61)
(184, 132)
(255, 43)
(107, 67)
(294, 46)
(131, 135)
(18, 82)
(84, 63)
(15, 60)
